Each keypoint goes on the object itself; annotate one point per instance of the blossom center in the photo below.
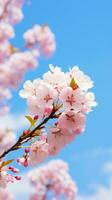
(70, 100)
(47, 98)
(70, 117)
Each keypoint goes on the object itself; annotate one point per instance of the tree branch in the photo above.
(25, 138)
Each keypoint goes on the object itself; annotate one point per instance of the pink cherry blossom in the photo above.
(39, 151)
(40, 97)
(41, 36)
(56, 77)
(58, 138)
(6, 31)
(29, 89)
(46, 95)
(90, 101)
(84, 82)
(75, 122)
(72, 99)
(52, 178)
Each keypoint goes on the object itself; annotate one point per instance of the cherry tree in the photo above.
(57, 104)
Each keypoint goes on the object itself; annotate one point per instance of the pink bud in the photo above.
(11, 168)
(18, 160)
(18, 178)
(25, 132)
(25, 163)
(27, 150)
(56, 123)
(21, 160)
(36, 117)
(48, 111)
(15, 170)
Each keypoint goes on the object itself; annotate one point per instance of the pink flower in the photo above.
(84, 82)
(41, 101)
(29, 89)
(39, 152)
(56, 77)
(90, 101)
(58, 138)
(52, 177)
(46, 95)
(6, 31)
(72, 99)
(75, 122)
(41, 36)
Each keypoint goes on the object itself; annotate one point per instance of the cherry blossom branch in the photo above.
(64, 97)
(25, 138)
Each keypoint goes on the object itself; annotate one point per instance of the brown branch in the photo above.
(25, 138)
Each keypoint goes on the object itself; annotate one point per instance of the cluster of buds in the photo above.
(24, 159)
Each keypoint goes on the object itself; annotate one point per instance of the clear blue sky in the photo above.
(83, 30)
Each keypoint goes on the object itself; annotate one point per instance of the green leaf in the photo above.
(31, 120)
(5, 163)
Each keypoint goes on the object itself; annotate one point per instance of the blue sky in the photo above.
(83, 32)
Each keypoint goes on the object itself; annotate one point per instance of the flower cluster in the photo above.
(64, 97)
(10, 12)
(53, 180)
(41, 36)
(15, 62)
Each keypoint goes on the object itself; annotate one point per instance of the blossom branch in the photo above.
(64, 97)
(25, 138)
